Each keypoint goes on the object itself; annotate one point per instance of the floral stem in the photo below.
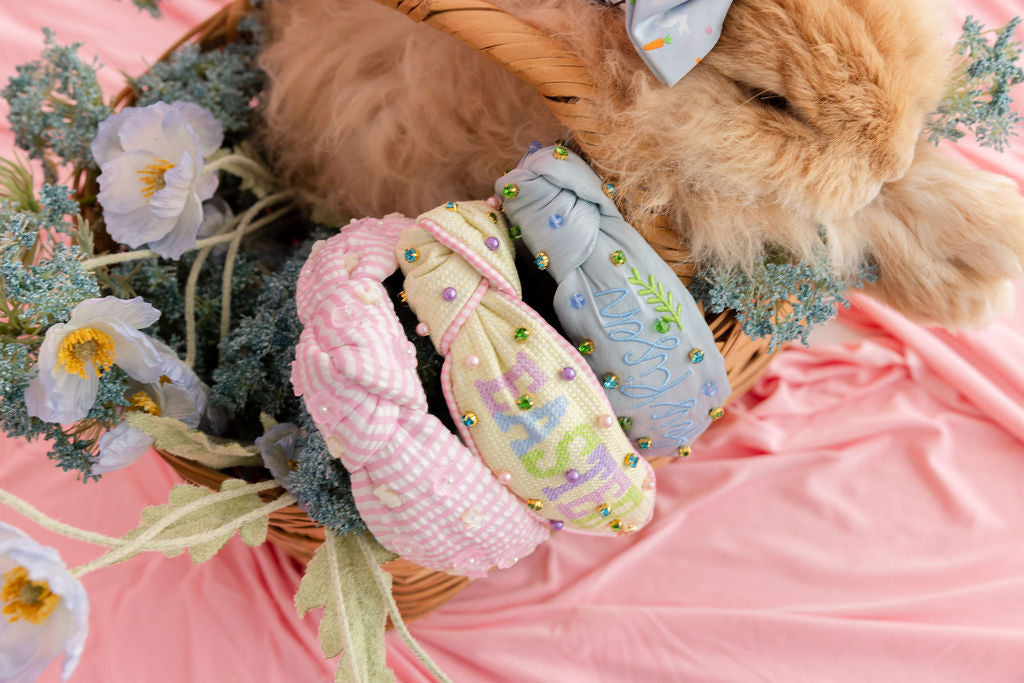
(142, 541)
(42, 519)
(396, 616)
(229, 259)
(235, 162)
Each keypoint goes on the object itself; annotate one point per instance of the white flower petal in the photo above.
(206, 185)
(42, 386)
(142, 129)
(178, 403)
(178, 137)
(207, 129)
(120, 447)
(133, 312)
(216, 214)
(182, 237)
(121, 181)
(169, 201)
(107, 142)
(25, 648)
(137, 227)
(135, 352)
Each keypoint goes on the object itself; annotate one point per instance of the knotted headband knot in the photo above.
(646, 337)
(520, 394)
(419, 490)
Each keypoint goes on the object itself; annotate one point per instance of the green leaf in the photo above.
(206, 519)
(656, 297)
(345, 578)
(174, 437)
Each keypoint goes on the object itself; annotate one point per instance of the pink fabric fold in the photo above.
(858, 516)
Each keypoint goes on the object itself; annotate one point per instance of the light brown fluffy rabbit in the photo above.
(807, 113)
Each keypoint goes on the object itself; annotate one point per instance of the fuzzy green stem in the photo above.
(139, 543)
(42, 519)
(396, 616)
(232, 162)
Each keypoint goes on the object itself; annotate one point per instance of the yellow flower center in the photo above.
(87, 345)
(140, 400)
(28, 600)
(152, 177)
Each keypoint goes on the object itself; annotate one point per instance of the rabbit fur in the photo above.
(801, 130)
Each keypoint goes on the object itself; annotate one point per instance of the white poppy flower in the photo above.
(178, 393)
(45, 609)
(101, 333)
(152, 185)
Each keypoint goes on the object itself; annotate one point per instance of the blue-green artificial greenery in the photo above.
(979, 99)
(56, 105)
(41, 280)
(151, 6)
(226, 81)
(781, 300)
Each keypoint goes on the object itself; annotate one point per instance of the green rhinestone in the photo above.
(716, 413)
(626, 423)
(684, 451)
(515, 232)
(511, 191)
(586, 347)
(535, 504)
(521, 334)
(618, 257)
(662, 326)
(493, 216)
(560, 152)
(524, 402)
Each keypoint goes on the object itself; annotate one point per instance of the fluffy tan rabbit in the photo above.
(805, 120)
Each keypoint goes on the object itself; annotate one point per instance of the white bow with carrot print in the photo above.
(671, 36)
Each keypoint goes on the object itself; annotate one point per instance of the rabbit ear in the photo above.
(946, 238)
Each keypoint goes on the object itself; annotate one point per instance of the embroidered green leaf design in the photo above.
(662, 301)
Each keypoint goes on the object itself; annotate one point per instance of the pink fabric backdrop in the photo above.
(857, 516)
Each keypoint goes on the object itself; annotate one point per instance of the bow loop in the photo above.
(673, 36)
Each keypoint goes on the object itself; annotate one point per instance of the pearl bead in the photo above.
(572, 476)
(504, 477)
(605, 421)
(568, 374)
(472, 362)
(449, 294)
(422, 329)
(493, 202)
(492, 243)
(556, 524)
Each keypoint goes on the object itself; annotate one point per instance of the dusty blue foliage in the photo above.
(56, 105)
(226, 81)
(809, 287)
(41, 277)
(151, 6)
(979, 99)
(322, 485)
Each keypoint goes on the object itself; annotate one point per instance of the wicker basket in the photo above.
(566, 86)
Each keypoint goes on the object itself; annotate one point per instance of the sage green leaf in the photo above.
(175, 437)
(348, 582)
(203, 520)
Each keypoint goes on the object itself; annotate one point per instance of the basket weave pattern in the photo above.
(568, 90)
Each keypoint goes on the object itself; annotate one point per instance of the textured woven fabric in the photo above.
(673, 39)
(523, 397)
(421, 492)
(651, 346)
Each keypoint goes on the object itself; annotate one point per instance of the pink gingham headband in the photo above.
(421, 493)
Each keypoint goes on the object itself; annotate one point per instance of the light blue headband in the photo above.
(672, 36)
(628, 313)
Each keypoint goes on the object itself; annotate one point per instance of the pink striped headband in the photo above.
(421, 493)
